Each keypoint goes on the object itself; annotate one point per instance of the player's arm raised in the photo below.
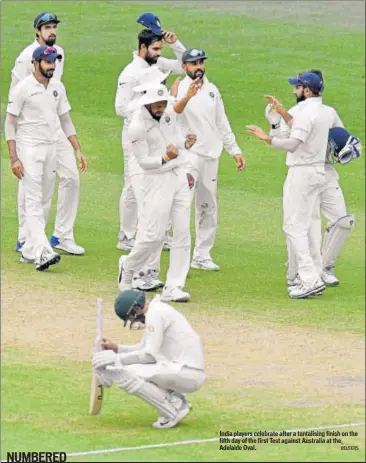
(172, 65)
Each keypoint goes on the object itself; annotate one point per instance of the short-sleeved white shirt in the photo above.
(311, 125)
(38, 110)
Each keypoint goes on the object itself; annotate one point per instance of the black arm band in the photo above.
(275, 126)
(163, 161)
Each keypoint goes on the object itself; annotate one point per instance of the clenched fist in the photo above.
(171, 153)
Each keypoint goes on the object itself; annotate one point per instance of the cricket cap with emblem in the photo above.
(193, 54)
(45, 18)
(150, 79)
(308, 80)
(150, 21)
(127, 301)
(45, 53)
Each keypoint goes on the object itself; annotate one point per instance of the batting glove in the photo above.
(272, 116)
(104, 358)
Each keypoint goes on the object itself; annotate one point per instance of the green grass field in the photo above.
(273, 363)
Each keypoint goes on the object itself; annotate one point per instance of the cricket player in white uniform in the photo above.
(166, 364)
(161, 152)
(150, 43)
(332, 203)
(206, 113)
(45, 25)
(306, 147)
(37, 111)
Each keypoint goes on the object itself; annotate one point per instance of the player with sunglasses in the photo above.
(45, 25)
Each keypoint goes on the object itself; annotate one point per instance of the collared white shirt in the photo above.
(38, 110)
(311, 126)
(168, 336)
(205, 115)
(150, 139)
(23, 66)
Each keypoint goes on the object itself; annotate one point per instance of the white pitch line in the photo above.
(201, 441)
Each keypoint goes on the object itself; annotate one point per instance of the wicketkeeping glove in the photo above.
(272, 116)
(104, 358)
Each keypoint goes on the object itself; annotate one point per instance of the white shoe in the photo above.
(204, 264)
(47, 259)
(147, 281)
(304, 291)
(126, 244)
(70, 247)
(292, 283)
(182, 411)
(329, 277)
(124, 282)
(174, 295)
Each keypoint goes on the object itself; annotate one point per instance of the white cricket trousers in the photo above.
(39, 163)
(301, 196)
(166, 197)
(68, 194)
(333, 207)
(205, 171)
(169, 375)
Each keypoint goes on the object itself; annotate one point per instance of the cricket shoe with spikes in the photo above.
(47, 258)
(329, 278)
(182, 406)
(304, 291)
(147, 281)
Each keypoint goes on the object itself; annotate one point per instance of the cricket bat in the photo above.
(97, 390)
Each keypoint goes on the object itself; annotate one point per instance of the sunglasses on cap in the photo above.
(46, 18)
(196, 52)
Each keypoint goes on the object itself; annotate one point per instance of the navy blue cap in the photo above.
(46, 54)
(44, 18)
(193, 54)
(309, 80)
(150, 21)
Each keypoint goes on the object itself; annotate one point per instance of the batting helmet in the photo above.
(126, 302)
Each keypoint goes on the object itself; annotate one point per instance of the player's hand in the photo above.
(169, 37)
(190, 179)
(191, 139)
(171, 152)
(109, 345)
(83, 163)
(258, 132)
(194, 87)
(174, 87)
(104, 358)
(240, 162)
(277, 106)
(17, 168)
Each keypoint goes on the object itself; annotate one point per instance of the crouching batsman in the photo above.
(166, 364)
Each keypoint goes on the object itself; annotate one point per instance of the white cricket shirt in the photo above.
(311, 126)
(205, 115)
(127, 80)
(38, 110)
(168, 336)
(23, 66)
(150, 139)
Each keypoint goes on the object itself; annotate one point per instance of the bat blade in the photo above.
(97, 390)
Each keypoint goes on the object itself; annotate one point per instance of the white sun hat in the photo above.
(154, 94)
(149, 79)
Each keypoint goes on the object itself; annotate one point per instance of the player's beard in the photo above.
(300, 98)
(50, 42)
(157, 115)
(151, 59)
(198, 73)
(48, 74)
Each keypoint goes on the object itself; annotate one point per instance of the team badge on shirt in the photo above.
(167, 119)
(212, 95)
(55, 93)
